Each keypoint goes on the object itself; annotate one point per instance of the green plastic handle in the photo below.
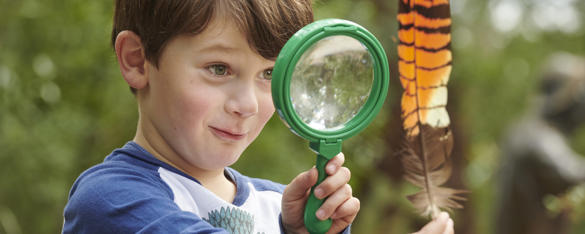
(313, 224)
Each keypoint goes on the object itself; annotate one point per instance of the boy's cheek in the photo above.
(265, 116)
(266, 107)
(269, 113)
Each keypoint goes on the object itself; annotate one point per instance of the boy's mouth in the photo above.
(227, 134)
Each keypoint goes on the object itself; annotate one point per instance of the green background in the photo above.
(64, 107)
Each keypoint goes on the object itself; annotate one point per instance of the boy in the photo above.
(200, 71)
(201, 74)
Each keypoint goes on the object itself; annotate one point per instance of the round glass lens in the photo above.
(331, 82)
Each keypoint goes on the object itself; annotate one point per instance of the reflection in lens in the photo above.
(331, 82)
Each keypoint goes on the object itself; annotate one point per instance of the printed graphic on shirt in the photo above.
(232, 219)
(259, 213)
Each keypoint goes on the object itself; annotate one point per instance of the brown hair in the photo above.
(267, 24)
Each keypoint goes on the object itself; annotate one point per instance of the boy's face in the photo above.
(208, 99)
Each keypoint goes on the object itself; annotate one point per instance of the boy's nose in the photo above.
(243, 101)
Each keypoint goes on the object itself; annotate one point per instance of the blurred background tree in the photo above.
(64, 107)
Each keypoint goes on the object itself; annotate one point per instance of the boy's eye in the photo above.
(218, 69)
(267, 74)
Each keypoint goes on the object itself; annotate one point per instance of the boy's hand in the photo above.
(340, 206)
(441, 225)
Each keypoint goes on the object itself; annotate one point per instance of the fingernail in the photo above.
(318, 193)
(320, 214)
(450, 223)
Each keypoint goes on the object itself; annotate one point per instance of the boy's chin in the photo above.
(223, 161)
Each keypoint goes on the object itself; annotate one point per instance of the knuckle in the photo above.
(338, 160)
(342, 157)
(345, 171)
(357, 202)
(348, 190)
(327, 207)
(326, 187)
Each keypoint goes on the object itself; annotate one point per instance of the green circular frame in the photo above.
(292, 52)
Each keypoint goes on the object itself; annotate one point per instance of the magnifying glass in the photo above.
(329, 81)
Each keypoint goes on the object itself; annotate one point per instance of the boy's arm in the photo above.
(127, 202)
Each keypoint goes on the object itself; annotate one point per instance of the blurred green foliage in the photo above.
(64, 106)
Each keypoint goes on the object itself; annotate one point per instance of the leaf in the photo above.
(424, 66)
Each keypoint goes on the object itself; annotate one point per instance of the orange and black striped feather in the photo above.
(425, 62)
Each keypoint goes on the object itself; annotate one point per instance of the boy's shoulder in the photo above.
(140, 189)
(133, 164)
(117, 185)
(123, 165)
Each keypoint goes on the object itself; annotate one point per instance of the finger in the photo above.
(335, 163)
(333, 202)
(438, 225)
(344, 215)
(299, 186)
(449, 227)
(348, 210)
(333, 183)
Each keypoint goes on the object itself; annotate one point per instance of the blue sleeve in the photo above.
(347, 230)
(121, 200)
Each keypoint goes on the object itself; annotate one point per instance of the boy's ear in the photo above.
(131, 59)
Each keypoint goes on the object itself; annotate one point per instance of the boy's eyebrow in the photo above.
(218, 46)
(221, 48)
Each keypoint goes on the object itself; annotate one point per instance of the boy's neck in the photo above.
(215, 181)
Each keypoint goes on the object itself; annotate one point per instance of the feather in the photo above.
(424, 66)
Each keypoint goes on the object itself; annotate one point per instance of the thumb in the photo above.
(437, 225)
(299, 186)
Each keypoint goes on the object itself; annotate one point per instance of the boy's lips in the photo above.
(227, 134)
